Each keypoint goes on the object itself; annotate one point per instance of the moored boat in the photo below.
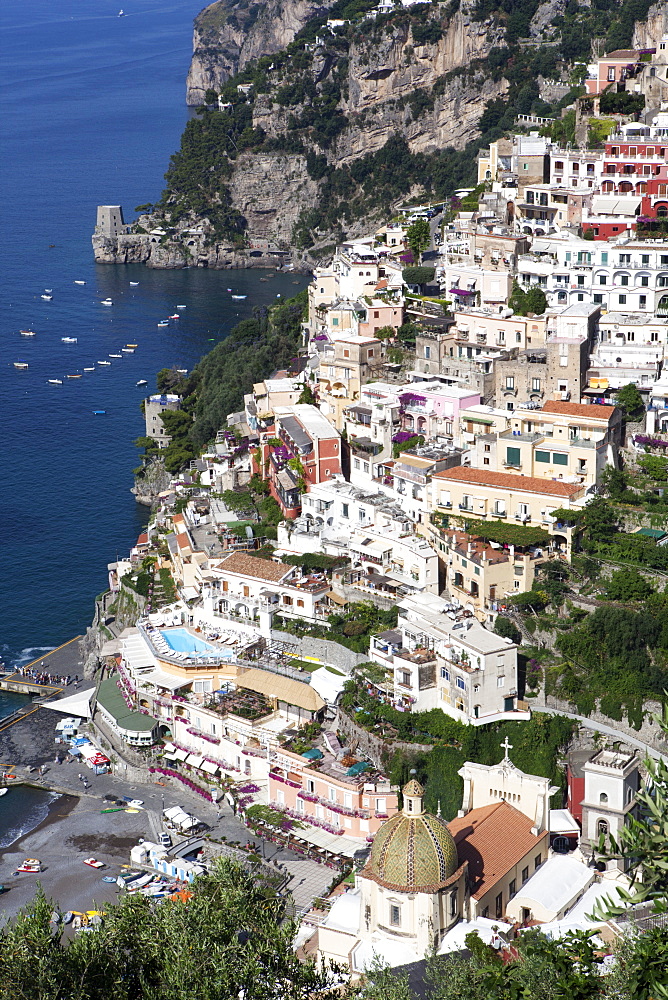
(69, 340)
(55, 381)
(115, 355)
(79, 282)
(27, 333)
(106, 302)
(142, 381)
(21, 364)
(74, 376)
(163, 323)
(104, 362)
(127, 350)
(89, 369)
(47, 298)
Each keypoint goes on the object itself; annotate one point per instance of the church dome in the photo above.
(413, 851)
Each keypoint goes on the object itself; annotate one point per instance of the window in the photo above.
(622, 300)
(445, 674)
(453, 904)
(602, 279)
(536, 862)
(498, 906)
(624, 279)
(345, 509)
(603, 798)
(602, 828)
(513, 456)
(559, 459)
(598, 299)
(604, 257)
(512, 889)
(461, 684)
(395, 915)
(427, 352)
(642, 304)
(543, 456)
(331, 794)
(525, 875)
(510, 382)
(300, 805)
(518, 338)
(406, 678)
(644, 259)
(500, 681)
(356, 463)
(310, 785)
(644, 281)
(535, 385)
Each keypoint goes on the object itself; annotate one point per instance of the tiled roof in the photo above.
(413, 854)
(250, 566)
(493, 839)
(591, 410)
(508, 481)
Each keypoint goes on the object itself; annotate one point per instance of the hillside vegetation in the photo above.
(364, 108)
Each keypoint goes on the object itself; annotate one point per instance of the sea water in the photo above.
(93, 106)
(21, 810)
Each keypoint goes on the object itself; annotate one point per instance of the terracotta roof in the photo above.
(183, 541)
(508, 481)
(251, 566)
(493, 839)
(143, 539)
(381, 284)
(593, 411)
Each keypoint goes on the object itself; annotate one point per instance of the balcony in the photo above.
(519, 516)
(529, 437)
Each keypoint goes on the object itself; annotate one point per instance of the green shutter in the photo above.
(559, 459)
(543, 456)
(512, 456)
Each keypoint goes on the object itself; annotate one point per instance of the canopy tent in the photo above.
(76, 704)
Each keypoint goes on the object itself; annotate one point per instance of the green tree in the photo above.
(504, 627)
(418, 237)
(654, 466)
(307, 395)
(598, 521)
(628, 585)
(536, 300)
(385, 332)
(229, 939)
(418, 275)
(630, 401)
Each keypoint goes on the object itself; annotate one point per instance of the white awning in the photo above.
(172, 811)
(194, 760)
(180, 754)
(629, 205)
(209, 767)
(168, 756)
(75, 704)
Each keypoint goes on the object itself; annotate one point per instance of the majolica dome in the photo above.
(414, 851)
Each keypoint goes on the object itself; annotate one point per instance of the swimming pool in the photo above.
(182, 641)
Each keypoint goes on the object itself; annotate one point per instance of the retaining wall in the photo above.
(330, 653)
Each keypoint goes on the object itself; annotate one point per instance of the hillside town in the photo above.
(375, 534)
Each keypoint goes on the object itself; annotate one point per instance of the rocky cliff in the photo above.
(229, 35)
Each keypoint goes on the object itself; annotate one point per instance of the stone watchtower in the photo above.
(110, 221)
(611, 783)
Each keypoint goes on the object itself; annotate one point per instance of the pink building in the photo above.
(615, 67)
(433, 409)
(324, 789)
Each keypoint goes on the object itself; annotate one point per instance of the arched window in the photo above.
(603, 798)
(602, 828)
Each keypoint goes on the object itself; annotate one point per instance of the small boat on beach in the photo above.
(21, 364)
(27, 333)
(55, 381)
(79, 282)
(93, 863)
(69, 340)
(109, 878)
(141, 382)
(31, 865)
(106, 302)
(113, 809)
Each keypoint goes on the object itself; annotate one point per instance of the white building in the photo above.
(612, 780)
(441, 659)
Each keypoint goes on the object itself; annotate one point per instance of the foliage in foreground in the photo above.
(225, 942)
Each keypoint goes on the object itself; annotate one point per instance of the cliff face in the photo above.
(228, 35)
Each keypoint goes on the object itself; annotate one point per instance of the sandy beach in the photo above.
(74, 829)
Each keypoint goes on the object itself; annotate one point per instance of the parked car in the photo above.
(165, 840)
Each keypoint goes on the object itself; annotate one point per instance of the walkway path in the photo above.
(608, 730)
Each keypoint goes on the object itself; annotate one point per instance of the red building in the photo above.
(303, 450)
(575, 782)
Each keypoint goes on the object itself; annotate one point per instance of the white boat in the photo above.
(239, 297)
(89, 369)
(181, 307)
(55, 381)
(20, 364)
(175, 316)
(182, 371)
(142, 381)
(104, 362)
(48, 290)
(3, 791)
(69, 340)
(79, 282)
(127, 350)
(115, 355)
(106, 302)
(132, 345)
(134, 284)
(27, 333)
(121, 13)
(163, 323)
(47, 298)
(74, 376)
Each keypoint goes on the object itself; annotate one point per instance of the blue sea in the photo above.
(93, 105)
